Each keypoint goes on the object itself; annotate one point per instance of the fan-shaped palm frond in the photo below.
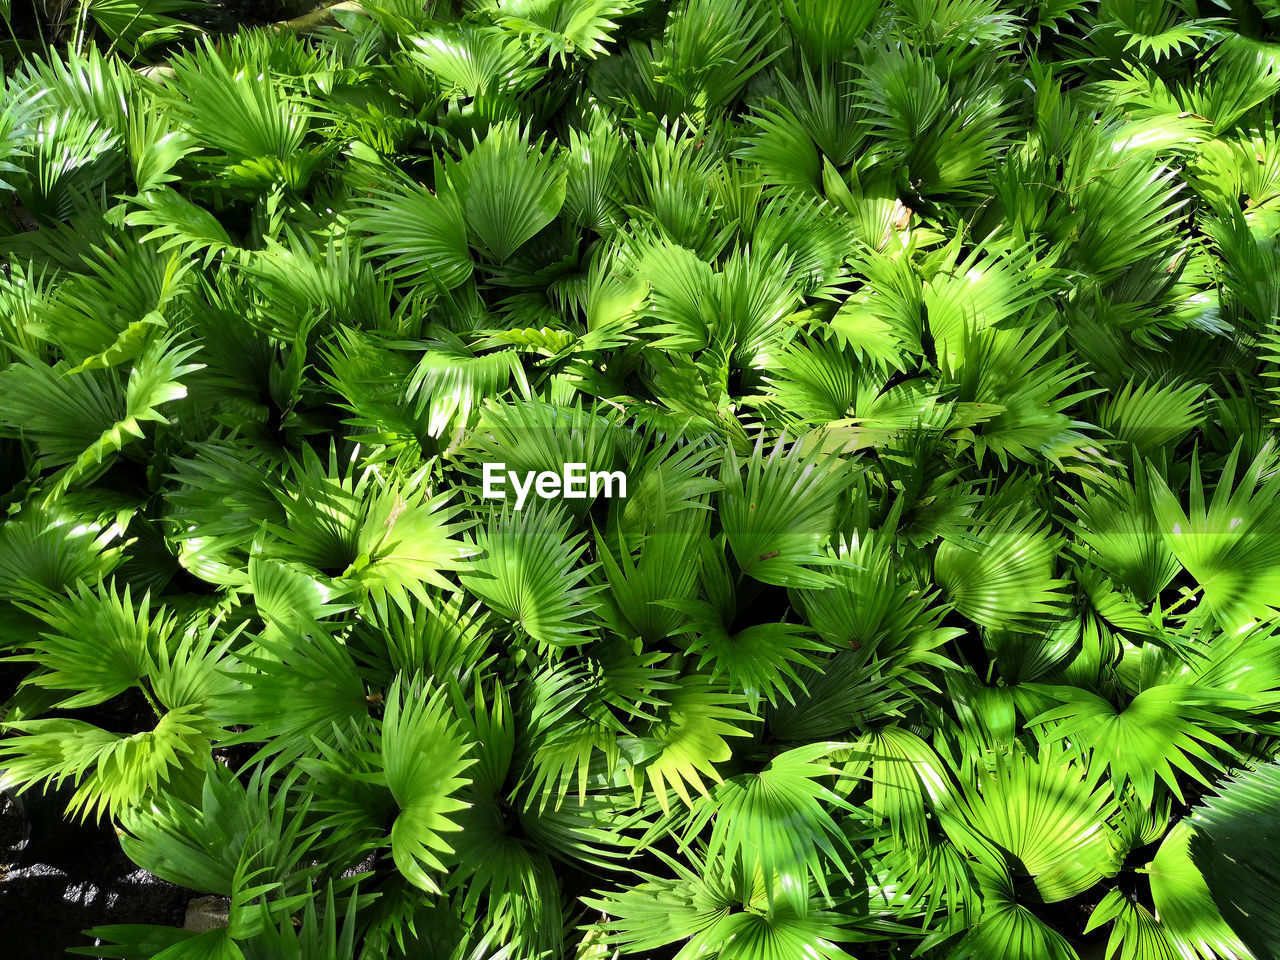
(423, 756)
(1233, 847)
(526, 572)
(1163, 727)
(565, 28)
(1008, 580)
(1116, 521)
(111, 772)
(1047, 814)
(1227, 545)
(1183, 905)
(96, 643)
(385, 535)
(778, 518)
(80, 418)
(751, 809)
(257, 125)
(686, 742)
(507, 188)
(424, 234)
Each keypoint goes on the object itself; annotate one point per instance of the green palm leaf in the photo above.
(423, 756)
(1234, 848)
(1162, 729)
(1048, 814)
(1183, 904)
(526, 573)
(508, 189)
(780, 515)
(1227, 545)
(776, 822)
(1008, 581)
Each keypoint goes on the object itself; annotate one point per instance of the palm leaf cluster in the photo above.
(938, 342)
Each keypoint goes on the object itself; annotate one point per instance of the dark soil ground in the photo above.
(57, 880)
(214, 16)
(223, 15)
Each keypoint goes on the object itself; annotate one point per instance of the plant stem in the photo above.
(82, 23)
(151, 700)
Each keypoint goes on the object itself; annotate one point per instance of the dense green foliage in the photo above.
(938, 342)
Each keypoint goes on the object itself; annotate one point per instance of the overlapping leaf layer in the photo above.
(937, 341)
